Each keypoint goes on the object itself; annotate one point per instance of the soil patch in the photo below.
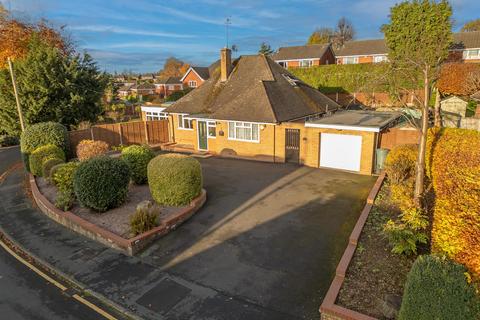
(375, 272)
(115, 220)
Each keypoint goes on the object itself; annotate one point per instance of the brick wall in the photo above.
(192, 76)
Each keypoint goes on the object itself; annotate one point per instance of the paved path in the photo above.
(23, 293)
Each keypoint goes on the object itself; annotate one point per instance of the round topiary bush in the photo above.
(137, 158)
(87, 149)
(400, 163)
(41, 134)
(174, 179)
(48, 164)
(41, 154)
(62, 176)
(101, 183)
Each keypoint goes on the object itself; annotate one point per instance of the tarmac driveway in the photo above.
(270, 235)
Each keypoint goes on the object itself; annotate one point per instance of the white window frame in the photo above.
(192, 83)
(171, 87)
(181, 118)
(305, 63)
(379, 59)
(152, 116)
(468, 54)
(354, 60)
(211, 124)
(232, 133)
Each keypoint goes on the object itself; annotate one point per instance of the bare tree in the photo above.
(344, 32)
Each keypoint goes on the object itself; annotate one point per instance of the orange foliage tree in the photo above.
(15, 36)
(454, 78)
(174, 68)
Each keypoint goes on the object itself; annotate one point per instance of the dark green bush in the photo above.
(437, 288)
(63, 176)
(174, 179)
(101, 183)
(48, 164)
(137, 158)
(41, 134)
(41, 154)
(7, 141)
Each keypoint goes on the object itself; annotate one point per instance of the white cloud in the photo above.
(121, 30)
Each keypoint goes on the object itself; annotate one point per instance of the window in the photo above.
(171, 87)
(192, 84)
(306, 63)
(378, 59)
(211, 128)
(156, 116)
(471, 54)
(283, 64)
(244, 131)
(350, 60)
(184, 123)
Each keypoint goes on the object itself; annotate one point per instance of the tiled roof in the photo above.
(257, 90)
(169, 80)
(363, 47)
(466, 40)
(301, 52)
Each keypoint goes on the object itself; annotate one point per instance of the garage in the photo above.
(340, 151)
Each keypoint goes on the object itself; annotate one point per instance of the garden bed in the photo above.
(375, 274)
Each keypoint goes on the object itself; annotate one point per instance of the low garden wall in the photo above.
(88, 229)
(329, 310)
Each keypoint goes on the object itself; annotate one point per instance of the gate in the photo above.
(292, 145)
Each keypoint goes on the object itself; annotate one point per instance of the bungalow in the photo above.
(466, 46)
(166, 86)
(304, 56)
(143, 89)
(253, 108)
(196, 76)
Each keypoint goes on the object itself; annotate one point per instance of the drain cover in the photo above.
(166, 294)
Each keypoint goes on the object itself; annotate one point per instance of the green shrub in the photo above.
(400, 163)
(7, 141)
(137, 158)
(437, 288)
(145, 218)
(41, 134)
(48, 165)
(41, 154)
(63, 176)
(101, 183)
(87, 149)
(174, 179)
(64, 200)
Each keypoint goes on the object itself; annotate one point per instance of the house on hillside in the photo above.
(253, 108)
(196, 76)
(166, 86)
(304, 56)
(466, 47)
(124, 91)
(143, 89)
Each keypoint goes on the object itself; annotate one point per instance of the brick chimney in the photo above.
(225, 63)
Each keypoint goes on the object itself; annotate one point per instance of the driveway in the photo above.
(269, 235)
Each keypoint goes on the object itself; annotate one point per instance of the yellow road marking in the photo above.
(94, 307)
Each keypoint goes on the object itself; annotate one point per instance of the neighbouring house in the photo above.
(196, 76)
(124, 91)
(362, 51)
(166, 86)
(143, 89)
(254, 108)
(304, 56)
(466, 46)
(152, 111)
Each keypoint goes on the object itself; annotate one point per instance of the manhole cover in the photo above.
(166, 294)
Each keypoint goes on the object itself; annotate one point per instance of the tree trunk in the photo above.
(420, 172)
(438, 118)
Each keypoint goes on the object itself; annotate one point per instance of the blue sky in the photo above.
(139, 35)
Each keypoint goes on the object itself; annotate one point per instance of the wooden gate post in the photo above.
(120, 132)
(146, 131)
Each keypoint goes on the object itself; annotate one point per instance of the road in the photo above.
(26, 295)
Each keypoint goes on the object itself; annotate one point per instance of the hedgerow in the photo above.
(454, 165)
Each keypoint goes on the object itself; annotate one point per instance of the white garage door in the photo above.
(340, 151)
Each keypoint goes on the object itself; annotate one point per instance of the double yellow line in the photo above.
(56, 283)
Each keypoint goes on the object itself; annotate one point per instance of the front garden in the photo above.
(415, 263)
(128, 194)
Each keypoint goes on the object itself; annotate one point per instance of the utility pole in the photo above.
(228, 22)
(19, 108)
(14, 82)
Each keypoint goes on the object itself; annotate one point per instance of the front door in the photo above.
(202, 135)
(292, 145)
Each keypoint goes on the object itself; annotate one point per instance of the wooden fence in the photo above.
(396, 136)
(125, 133)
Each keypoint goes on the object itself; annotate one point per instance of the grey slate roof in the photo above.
(363, 47)
(466, 40)
(301, 52)
(169, 80)
(257, 90)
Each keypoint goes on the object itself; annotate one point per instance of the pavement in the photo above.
(264, 246)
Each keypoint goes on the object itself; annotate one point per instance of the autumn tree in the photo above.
(470, 26)
(174, 67)
(265, 49)
(418, 38)
(15, 36)
(321, 36)
(344, 32)
(454, 78)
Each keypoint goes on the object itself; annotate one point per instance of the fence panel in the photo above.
(76, 136)
(157, 131)
(108, 133)
(133, 133)
(397, 136)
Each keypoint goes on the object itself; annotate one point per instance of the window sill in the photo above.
(242, 140)
(186, 129)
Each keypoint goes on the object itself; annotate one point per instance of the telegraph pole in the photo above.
(19, 108)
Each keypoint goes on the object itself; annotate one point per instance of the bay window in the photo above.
(244, 131)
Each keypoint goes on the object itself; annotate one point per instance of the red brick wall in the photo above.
(192, 76)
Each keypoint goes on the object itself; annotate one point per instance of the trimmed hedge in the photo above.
(7, 141)
(137, 158)
(174, 179)
(101, 183)
(62, 176)
(48, 165)
(41, 134)
(437, 288)
(41, 154)
(87, 149)
(453, 163)
(400, 163)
